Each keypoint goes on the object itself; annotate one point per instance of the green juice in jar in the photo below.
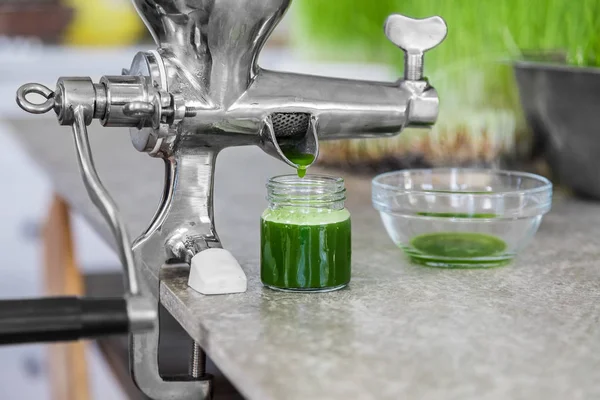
(306, 249)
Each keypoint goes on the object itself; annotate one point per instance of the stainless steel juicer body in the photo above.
(201, 91)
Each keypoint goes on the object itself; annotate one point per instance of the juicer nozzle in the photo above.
(291, 137)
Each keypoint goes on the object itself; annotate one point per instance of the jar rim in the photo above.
(324, 182)
(311, 190)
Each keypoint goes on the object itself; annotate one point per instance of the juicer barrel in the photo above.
(342, 108)
(296, 111)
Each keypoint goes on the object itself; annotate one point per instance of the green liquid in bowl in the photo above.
(458, 249)
(309, 252)
(458, 245)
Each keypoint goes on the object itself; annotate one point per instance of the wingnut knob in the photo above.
(415, 37)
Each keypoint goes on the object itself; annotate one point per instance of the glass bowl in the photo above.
(461, 218)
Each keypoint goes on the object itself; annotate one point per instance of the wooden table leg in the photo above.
(67, 362)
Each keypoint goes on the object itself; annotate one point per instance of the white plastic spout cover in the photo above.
(216, 271)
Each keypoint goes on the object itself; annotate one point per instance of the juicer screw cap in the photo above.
(415, 37)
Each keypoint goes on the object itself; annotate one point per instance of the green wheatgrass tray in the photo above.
(481, 123)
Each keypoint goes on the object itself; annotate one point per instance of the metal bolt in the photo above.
(197, 362)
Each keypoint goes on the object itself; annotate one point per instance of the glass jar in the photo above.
(305, 235)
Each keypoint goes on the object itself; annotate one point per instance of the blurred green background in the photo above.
(481, 122)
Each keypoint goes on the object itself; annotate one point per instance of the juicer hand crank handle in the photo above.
(61, 319)
(65, 319)
(77, 101)
(80, 107)
(415, 37)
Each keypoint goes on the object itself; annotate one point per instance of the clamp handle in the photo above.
(415, 37)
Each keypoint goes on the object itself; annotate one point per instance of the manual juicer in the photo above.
(203, 91)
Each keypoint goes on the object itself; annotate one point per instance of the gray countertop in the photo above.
(525, 331)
